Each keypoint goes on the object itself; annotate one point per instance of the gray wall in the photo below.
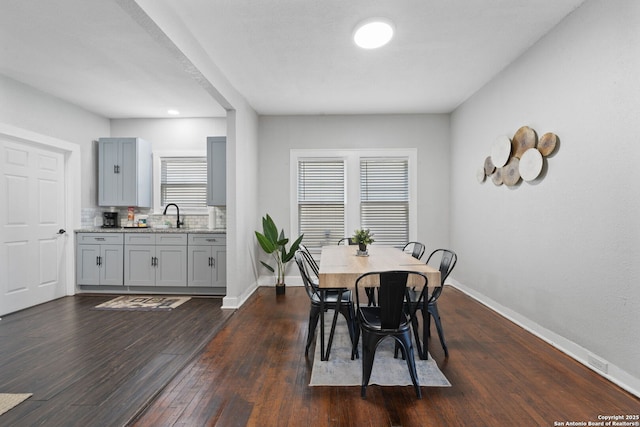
(27, 108)
(428, 133)
(561, 256)
(189, 134)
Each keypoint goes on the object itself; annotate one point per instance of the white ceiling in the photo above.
(283, 56)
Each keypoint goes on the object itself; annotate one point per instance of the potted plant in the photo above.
(362, 237)
(275, 244)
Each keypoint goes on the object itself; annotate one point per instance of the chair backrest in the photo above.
(346, 241)
(448, 260)
(392, 294)
(309, 258)
(302, 261)
(416, 249)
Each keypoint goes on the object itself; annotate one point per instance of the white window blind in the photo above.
(321, 195)
(183, 181)
(384, 199)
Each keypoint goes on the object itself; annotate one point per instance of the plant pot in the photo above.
(362, 247)
(280, 289)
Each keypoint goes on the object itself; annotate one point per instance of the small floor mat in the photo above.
(143, 303)
(11, 400)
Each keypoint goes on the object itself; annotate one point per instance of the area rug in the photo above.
(340, 370)
(143, 303)
(11, 400)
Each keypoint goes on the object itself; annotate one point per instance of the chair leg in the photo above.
(405, 343)
(369, 344)
(433, 309)
(314, 315)
(350, 317)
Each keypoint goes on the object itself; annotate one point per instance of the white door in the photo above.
(32, 220)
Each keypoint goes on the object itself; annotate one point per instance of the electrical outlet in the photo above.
(598, 364)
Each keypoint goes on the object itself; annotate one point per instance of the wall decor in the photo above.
(520, 158)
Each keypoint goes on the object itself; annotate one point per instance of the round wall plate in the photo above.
(480, 175)
(530, 164)
(500, 151)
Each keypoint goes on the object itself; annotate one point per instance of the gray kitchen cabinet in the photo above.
(207, 260)
(124, 172)
(99, 259)
(155, 259)
(216, 171)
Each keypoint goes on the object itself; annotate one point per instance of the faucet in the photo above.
(178, 223)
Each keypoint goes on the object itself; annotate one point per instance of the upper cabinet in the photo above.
(124, 172)
(216, 171)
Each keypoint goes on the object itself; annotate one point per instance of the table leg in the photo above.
(425, 333)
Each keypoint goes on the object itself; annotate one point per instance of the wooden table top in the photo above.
(340, 266)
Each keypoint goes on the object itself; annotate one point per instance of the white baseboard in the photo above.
(592, 361)
(236, 302)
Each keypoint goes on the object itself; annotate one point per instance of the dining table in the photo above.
(341, 265)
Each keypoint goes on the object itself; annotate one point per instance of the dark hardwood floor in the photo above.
(89, 367)
(98, 368)
(254, 373)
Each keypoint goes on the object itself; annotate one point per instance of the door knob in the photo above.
(62, 231)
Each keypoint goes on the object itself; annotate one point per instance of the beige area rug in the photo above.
(340, 370)
(11, 400)
(143, 303)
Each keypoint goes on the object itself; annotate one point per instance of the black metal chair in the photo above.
(312, 262)
(416, 249)
(448, 261)
(346, 241)
(304, 262)
(388, 319)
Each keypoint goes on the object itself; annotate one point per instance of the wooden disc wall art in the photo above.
(511, 172)
(547, 143)
(521, 157)
(524, 139)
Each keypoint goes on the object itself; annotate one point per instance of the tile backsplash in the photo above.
(92, 217)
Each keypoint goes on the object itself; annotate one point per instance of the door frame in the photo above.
(72, 190)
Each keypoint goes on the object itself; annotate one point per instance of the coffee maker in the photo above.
(109, 219)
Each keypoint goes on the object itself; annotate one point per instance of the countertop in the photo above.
(149, 230)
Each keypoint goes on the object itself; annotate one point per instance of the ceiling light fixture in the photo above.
(173, 112)
(373, 33)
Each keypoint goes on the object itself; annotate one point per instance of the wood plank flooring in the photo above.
(98, 368)
(254, 373)
(88, 367)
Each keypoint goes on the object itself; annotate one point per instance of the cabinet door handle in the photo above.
(153, 261)
(99, 239)
(213, 262)
(98, 261)
(116, 168)
(212, 240)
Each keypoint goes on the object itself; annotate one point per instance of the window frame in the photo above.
(157, 170)
(352, 158)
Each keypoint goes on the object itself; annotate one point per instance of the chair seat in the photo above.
(374, 323)
(331, 297)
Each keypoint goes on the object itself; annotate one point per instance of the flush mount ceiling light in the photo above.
(373, 33)
(173, 112)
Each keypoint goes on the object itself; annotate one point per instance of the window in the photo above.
(320, 201)
(384, 199)
(181, 179)
(339, 191)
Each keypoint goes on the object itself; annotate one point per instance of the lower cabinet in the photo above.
(99, 259)
(155, 259)
(207, 260)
